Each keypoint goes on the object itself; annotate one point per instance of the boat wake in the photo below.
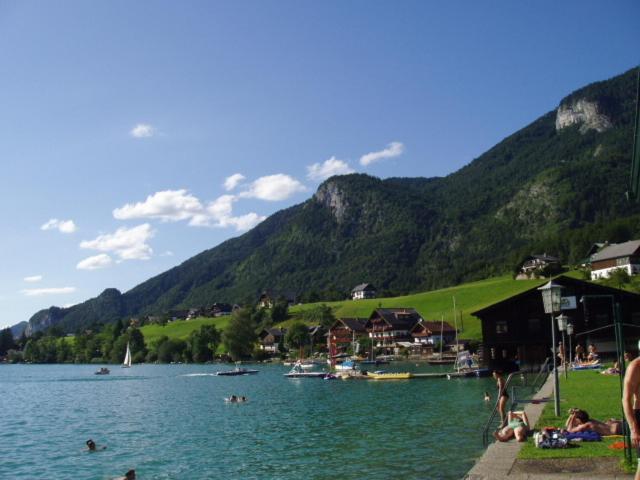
(199, 375)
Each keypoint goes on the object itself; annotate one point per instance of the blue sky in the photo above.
(121, 121)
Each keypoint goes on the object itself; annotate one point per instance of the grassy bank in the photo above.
(588, 390)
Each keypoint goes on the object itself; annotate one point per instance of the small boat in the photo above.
(374, 362)
(346, 365)
(236, 372)
(389, 375)
(127, 358)
(330, 376)
(298, 372)
(103, 371)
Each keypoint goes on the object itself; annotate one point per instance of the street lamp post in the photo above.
(551, 299)
(562, 326)
(569, 333)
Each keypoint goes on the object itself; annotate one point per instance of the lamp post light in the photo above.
(551, 299)
(563, 321)
(569, 333)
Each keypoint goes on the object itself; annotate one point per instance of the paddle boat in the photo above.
(382, 375)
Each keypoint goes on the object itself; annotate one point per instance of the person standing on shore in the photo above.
(631, 404)
(502, 396)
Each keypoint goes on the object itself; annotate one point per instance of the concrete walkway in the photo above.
(498, 460)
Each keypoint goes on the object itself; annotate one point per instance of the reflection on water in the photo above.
(171, 422)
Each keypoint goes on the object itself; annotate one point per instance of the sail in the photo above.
(127, 357)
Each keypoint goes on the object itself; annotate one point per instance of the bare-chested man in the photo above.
(631, 404)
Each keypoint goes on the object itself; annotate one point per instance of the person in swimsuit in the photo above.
(517, 426)
(631, 404)
(502, 396)
(579, 421)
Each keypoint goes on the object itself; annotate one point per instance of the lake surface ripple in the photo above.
(170, 422)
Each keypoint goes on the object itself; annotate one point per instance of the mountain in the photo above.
(556, 185)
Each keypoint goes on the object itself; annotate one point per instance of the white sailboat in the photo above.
(127, 358)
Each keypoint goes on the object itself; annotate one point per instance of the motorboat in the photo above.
(236, 371)
(346, 365)
(103, 371)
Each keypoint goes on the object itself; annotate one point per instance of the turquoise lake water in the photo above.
(170, 422)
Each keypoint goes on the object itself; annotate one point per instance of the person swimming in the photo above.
(487, 397)
(92, 447)
(130, 475)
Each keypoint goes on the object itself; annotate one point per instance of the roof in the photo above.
(398, 317)
(435, 327)
(565, 282)
(545, 258)
(275, 332)
(617, 250)
(362, 287)
(355, 324)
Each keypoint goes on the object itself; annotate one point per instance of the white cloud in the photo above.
(273, 188)
(37, 292)
(394, 149)
(102, 260)
(232, 182)
(177, 205)
(142, 130)
(328, 168)
(168, 253)
(63, 226)
(33, 278)
(125, 243)
(167, 205)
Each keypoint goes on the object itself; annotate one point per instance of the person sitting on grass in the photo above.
(579, 421)
(615, 370)
(517, 426)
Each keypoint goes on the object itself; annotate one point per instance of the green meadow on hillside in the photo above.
(434, 305)
(181, 328)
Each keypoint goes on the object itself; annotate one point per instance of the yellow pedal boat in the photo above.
(390, 376)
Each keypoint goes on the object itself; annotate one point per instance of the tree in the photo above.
(280, 311)
(297, 336)
(320, 315)
(6, 341)
(240, 337)
(204, 343)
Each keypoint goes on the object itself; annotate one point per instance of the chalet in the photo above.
(431, 333)
(390, 327)
(271, 339)
(195, 313)
(269, 297)
(362, 291)
(219, 310)
(624, 256)
(518, 330)
(534, 266)
(178, 314)
(344, 332)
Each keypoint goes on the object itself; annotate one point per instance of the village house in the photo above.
(624, 256)
(389, 327)
(535, 266)
(271, 339)
(432, 333)
(362, 291)
(343, 333)
(517, 331)
(269, 297)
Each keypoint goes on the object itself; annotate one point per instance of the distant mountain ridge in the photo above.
(556, 185)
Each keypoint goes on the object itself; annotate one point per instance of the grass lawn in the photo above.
(433, 305)
(181, 328)
(589, 390)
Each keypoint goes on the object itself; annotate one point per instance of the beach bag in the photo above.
(550, 439)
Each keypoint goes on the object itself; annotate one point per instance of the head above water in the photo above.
(91, 444)
(130, 475)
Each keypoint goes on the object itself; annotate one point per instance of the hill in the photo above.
(555, 186)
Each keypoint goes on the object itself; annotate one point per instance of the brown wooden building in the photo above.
(517, 329)
(344, 332)
(389, 326)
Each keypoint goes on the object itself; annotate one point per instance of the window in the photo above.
(501, 326)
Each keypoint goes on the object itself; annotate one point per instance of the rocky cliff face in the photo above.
(584, 113)
(330, 195)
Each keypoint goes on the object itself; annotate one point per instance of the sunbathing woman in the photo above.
(518, 427)
(579, 421)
